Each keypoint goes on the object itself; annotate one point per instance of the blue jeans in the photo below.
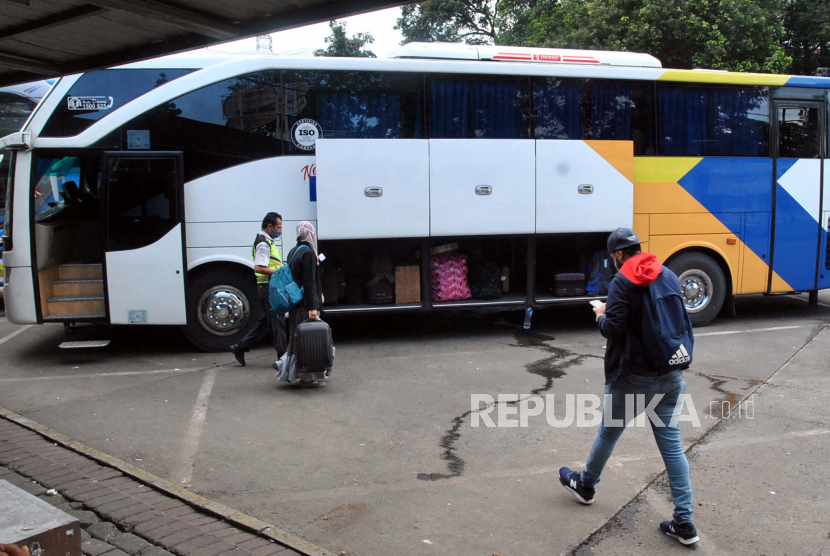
(672, 386)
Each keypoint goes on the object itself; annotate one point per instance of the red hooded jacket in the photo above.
(622, 323)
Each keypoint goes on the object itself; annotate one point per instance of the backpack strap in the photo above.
(297, 250)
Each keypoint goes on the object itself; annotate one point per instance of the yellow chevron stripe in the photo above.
(689, 76)
(663, 169)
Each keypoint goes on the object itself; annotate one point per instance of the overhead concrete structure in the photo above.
(49, 38)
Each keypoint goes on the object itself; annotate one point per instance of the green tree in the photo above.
(340, 45)
(808, 35)
(740, 35)
(469, 21)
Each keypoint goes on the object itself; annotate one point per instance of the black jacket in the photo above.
(307, 274)
(622, 323)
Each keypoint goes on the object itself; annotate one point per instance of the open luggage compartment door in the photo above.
(584, 186)
(372, 188)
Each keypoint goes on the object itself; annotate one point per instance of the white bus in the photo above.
(519, 159)
(16, 105)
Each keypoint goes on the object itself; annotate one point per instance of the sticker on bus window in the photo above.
(89, 103)
(305, 133)
(138, 139)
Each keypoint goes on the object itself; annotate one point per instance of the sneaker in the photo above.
(572, 481)
(683, 532)
(239, 353)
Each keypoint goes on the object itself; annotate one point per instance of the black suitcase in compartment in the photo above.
(569, 284)
(313, 347)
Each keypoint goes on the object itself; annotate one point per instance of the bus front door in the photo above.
(145, 257)
(798, 184)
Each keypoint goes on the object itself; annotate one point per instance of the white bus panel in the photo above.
(372, 188)
(482, 186)
(138, 297)
(584, 186)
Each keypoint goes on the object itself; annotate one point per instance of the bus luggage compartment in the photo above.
(372, 188)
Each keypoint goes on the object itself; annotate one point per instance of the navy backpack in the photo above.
(667, 328)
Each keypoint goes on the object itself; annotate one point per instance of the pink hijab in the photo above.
(307, 233)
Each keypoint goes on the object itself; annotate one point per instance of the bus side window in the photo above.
(798, 132)
(479, 108)
(713, 121)
(603, 110)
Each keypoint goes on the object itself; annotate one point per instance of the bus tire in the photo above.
(702, 285)
(222, 306)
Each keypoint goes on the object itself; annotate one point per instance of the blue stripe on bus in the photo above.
(808, 81)
(784, 165)
(796, 242)
(312, 188)
(731, 185)
(757, 233)
(824, 271)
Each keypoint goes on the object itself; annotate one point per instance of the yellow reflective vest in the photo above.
(274, 261)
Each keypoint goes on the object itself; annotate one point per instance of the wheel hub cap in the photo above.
(223, 310)
(696, 287)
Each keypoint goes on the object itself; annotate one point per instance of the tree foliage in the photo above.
(739, 35)
(808, 34)
(470, 21)
(340, 45)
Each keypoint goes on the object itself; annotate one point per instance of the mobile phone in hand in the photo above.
(596, 302)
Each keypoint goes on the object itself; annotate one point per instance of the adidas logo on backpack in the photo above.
(680, 356)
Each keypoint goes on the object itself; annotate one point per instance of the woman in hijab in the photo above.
(306, 271)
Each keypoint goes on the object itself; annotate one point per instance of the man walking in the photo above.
(266, 262)
(634, 365)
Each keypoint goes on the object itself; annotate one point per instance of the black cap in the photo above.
(622, 238)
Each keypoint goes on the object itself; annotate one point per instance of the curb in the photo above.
(230, 515)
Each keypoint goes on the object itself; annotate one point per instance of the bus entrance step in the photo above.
(75, 317)
(86, 344)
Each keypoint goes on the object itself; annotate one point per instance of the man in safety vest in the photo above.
(266, 262)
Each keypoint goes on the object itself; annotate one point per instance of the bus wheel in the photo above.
(702, 285)
(219, 305)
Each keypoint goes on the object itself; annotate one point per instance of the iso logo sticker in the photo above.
(305, 134)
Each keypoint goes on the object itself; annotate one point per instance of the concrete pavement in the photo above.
(346, 467)
(759, 478)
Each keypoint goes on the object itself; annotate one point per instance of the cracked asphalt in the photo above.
(384, 459)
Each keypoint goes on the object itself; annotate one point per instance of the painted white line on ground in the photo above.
(190, 448)
(96, 375)
(15, 333)
(727, 332)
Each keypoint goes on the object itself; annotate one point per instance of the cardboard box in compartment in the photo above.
(29, 521)
(407, 284)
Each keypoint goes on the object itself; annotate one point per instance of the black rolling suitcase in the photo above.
(313, 347)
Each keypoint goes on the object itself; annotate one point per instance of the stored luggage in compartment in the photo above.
(486, 186)
(372, 188)
(584, 186)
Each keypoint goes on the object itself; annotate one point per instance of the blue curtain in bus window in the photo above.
(448, 113)
(496, 109)
(738, 123)
(713, 122)
(683, 121)
(359, 116)
(558, 110)
(610, 112)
